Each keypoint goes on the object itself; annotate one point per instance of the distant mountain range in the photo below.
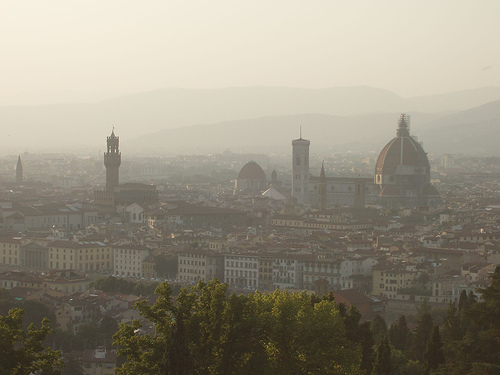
(257, 119)
(475, 131)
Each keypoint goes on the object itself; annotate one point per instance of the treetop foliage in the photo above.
(208, 332)
(23, 352)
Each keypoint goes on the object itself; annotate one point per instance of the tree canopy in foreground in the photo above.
(22, 351)
(206, 332)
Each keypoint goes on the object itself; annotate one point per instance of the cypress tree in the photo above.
(383, 365)
(434, 355)
(399, 334)
(379, 329)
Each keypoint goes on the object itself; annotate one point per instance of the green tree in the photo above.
(379, 329)
(451, 327)
(367, 344)
(241, 349)
(421, 337)
(23, 351)
(399, 334)
(107, 328)
(433, 356)
(383, 365)
(462, 300)
(475, 350)
(208, 332)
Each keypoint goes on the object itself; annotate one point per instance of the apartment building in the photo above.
(128, 260)
(80, 256)
(288, 271)
(9, 251)
(266, 272)
(194, 265)
(241, 270)
(388, 279)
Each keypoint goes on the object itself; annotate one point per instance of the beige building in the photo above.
(266, 272)
(128, 260)
(80, 256)
(314, 224)
(64, 281)
(387, 280)
(9, 251)
(148, 268)
(194, 265)
(67, 282)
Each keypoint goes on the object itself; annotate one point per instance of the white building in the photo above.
(241, 270)
(287, 272)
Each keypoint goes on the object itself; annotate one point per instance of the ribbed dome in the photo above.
(251, 171)
(402, 151)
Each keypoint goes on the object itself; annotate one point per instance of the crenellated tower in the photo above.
(112, 161)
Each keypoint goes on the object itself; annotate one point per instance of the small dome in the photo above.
(251, 171)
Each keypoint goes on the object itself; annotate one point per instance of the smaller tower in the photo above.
(112, 161)
(19, 171)
(300, 170)
(322, 189)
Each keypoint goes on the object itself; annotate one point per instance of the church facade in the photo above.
(325, 192)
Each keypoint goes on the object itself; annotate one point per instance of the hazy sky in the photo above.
(123, 46)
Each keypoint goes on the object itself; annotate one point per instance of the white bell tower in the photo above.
(300, 169)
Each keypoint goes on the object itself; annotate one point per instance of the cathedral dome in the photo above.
(403, 172)
(403, 155)
(251, 171)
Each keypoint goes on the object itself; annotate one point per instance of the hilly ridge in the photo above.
(83, 126)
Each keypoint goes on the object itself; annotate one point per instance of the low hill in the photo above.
(76, 127)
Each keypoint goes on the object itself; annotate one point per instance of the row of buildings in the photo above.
(270, 271)
(81, 256)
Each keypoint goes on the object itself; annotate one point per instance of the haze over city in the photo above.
(149, 66)
(249, 187)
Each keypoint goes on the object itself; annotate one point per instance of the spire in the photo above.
(322, 176)
(19, 171)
